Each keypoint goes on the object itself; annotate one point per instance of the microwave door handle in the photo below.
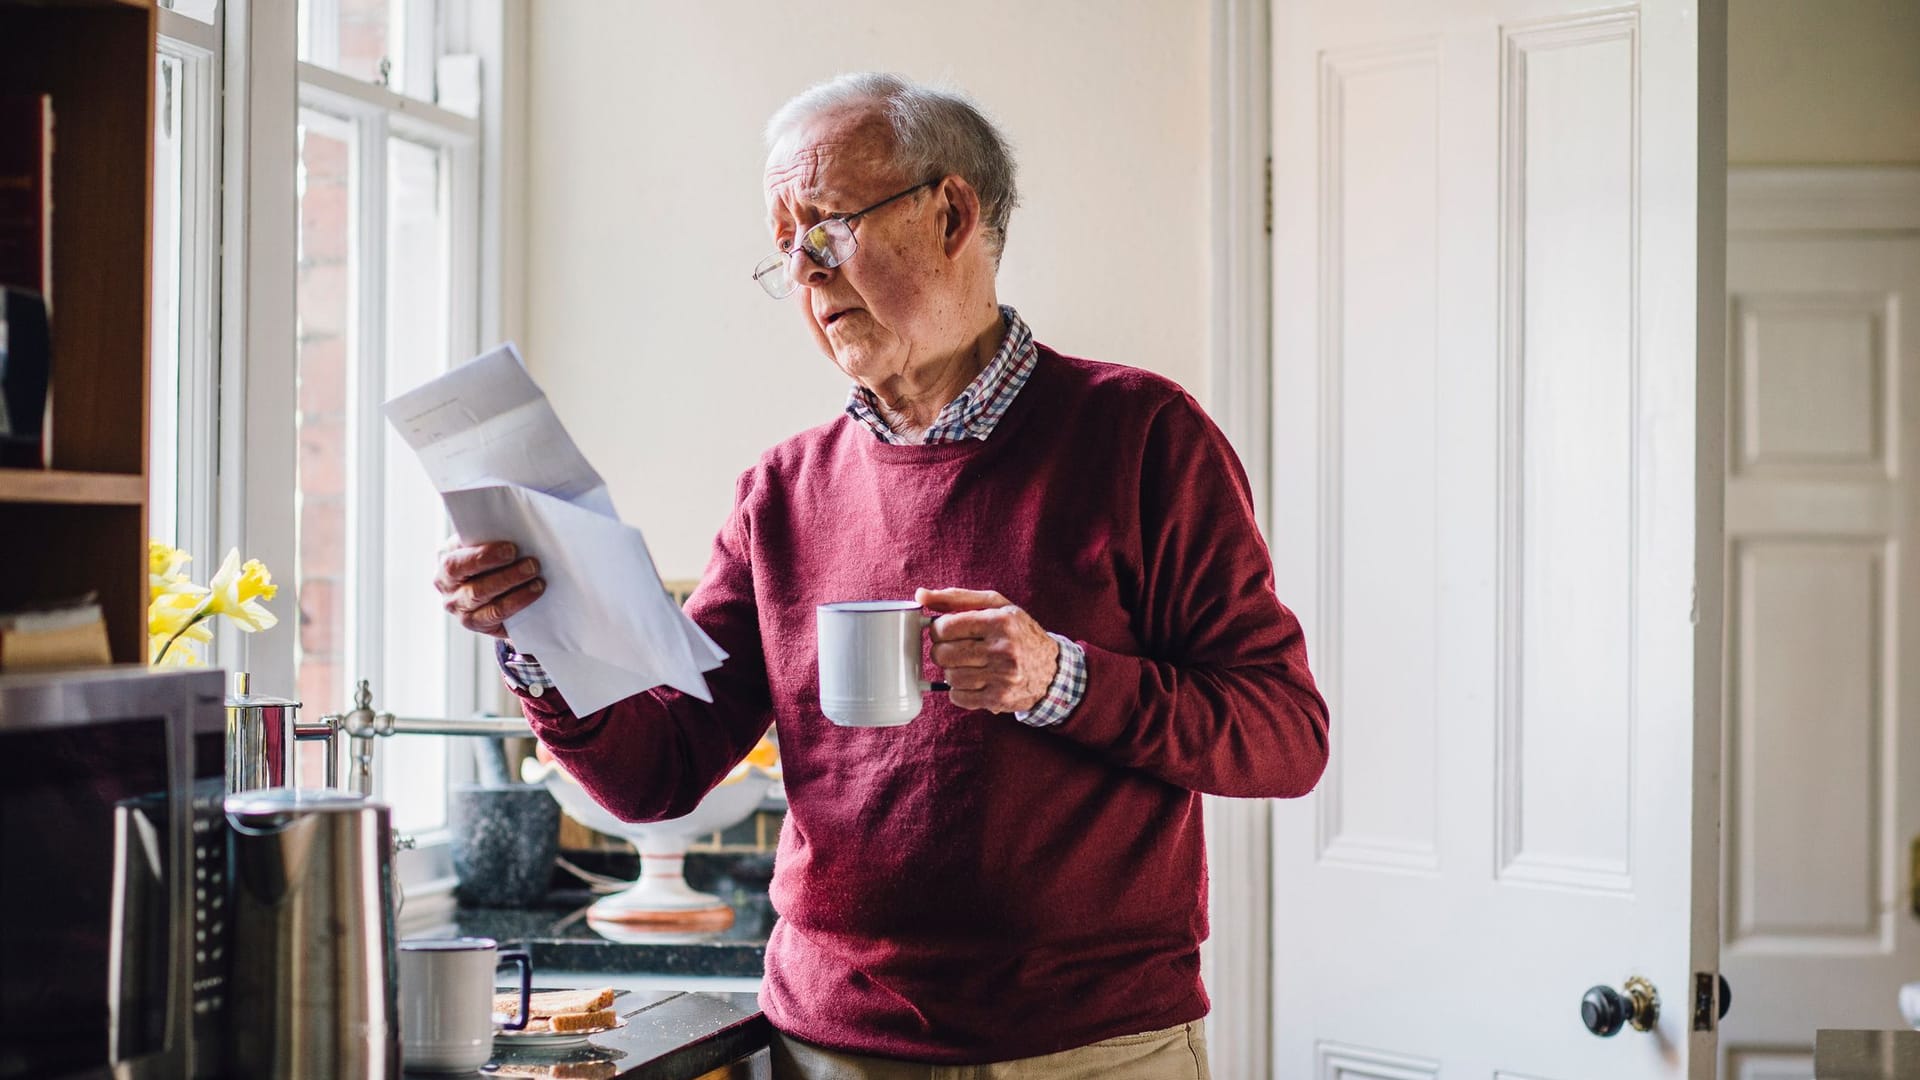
(139, 893)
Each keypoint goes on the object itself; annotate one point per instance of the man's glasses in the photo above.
(828, 243)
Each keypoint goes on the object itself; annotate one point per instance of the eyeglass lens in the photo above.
(828, 244)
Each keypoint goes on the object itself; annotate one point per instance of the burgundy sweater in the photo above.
(966, 888)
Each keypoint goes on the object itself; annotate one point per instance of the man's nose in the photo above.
(809, 273)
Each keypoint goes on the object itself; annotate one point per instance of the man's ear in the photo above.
(960, 220)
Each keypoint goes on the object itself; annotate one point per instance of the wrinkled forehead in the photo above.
(829, 160)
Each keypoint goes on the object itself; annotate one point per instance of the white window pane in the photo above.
(390, 42)
(413, 778)
(164, 434)
(326, 278)
(415, 628)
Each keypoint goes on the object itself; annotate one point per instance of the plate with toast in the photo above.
(558, 1018)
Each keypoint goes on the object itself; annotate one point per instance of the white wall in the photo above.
(645, 212)
(1823, 82)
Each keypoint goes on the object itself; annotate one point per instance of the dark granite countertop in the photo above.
(665, 1035)
(1865, 1055)
(559, 938)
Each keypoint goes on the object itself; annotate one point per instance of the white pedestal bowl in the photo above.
(661, 898)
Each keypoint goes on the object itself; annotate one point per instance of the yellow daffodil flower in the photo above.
(165, 562)
(236, 592)
(165, 573)
(172, 613)
(173, 619)
(178, 610)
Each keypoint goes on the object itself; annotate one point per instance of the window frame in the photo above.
(236, 451)
(197, 48)
(377, 113)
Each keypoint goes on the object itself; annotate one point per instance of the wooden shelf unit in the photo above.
(81, 525)
(69, 486)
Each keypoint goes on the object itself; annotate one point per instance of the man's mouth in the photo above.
(835, 316)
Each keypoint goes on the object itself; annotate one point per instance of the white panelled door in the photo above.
(1823, 609)
(1498, 412)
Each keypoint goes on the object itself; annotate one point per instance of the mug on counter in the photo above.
(870, 669)
(446, 1001)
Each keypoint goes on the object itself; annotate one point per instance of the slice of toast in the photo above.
(565, 1022)
(581, 1021)
(556, 1002)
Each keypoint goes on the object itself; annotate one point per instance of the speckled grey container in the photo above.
(504, 842)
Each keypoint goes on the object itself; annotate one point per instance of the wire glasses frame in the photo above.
(829, 243)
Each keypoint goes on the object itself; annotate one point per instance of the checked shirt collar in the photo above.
(978, 409)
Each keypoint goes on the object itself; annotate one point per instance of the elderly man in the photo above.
(1017, 877)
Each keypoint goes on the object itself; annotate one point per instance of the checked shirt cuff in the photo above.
(1068, 687)
(522, 672)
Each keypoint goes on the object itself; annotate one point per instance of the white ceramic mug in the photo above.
(870, 661)
(446, 1001)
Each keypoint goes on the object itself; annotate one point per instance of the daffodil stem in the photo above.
(190, 624)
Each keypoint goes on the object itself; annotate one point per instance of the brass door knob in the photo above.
(1605, 1010)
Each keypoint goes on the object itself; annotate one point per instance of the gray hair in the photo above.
(936, 132)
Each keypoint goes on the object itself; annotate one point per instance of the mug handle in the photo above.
(520, 1018)
(925, 686)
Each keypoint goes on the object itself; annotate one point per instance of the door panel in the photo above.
(1569, 369)
(1807, 740)
(1490, 497)
(1823, 721)
(1338, 1062)
(1382, 609)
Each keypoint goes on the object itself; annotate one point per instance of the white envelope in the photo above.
(597, 636)
(606, 628)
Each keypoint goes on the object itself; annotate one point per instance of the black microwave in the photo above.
(114, 874)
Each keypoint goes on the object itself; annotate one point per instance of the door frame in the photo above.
(1822, 198)
(1239, 831)
(1784, 201)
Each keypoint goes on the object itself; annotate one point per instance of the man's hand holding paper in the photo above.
(595, 630)
(509, 473)
(486, 583)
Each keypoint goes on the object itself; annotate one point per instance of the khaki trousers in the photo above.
(1175, 1053)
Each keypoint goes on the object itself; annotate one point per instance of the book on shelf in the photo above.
(69, 634)
(26, 193)
(26, 275)
(25, 376)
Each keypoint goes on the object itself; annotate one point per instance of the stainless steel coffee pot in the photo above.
(260, 739)
(262, 733)
(314, 969)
